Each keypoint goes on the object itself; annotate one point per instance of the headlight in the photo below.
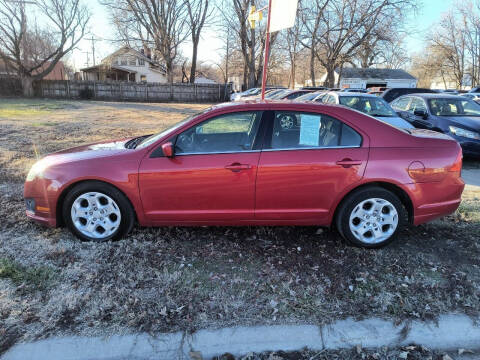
(37, 169)
(464, 133)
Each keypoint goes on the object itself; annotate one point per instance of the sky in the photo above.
(429, 12)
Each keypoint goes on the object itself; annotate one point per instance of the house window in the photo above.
(141, 62)
(124, 61)
(143, 78)
(132, 61)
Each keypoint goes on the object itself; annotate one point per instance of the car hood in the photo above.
(86, 152)
(470, 122)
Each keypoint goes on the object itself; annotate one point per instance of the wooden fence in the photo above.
(130, 91)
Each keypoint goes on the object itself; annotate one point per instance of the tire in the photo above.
(370, 217)
(108, 206)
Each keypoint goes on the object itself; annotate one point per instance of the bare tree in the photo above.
(451, 43)
(33, 50)
(162, 23)
(199, 14)
(343, 26)
(249, 42)
(292, 44)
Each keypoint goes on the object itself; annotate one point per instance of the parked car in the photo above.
(393, 93)
(275, 163)
(473, 96)
(249, 92)
(290, 94)
(454, 115)
(311, 96)
(268, 93)
(314, 88)
(368, 104)
(475, 89)
(354, 90)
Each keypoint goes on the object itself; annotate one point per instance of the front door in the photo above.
(307, 161)
(210, 178)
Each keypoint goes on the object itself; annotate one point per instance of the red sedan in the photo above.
(254, 163)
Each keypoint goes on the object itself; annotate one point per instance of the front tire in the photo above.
(96, 211)
(370, 217)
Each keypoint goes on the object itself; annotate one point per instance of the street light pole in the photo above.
(267, 50)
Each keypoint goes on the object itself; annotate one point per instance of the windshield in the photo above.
(307, 97)
(272, 93)
(453, 107)
(154, 138)
(280, 94)
(372, 106)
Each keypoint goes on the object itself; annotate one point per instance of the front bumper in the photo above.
(470, 147)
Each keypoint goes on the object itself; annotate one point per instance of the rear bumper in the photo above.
(434, 200)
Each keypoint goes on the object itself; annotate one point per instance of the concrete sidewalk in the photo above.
(451, 332)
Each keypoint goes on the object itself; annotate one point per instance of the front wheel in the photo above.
(95, 211)
(370, 217)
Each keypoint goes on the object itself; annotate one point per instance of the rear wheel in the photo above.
(370, 217)
(95, 211)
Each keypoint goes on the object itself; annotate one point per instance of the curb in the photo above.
(449, 333)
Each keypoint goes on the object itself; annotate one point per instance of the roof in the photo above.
(435, 95)
(102, 66)
(352, 94)
(371, 73)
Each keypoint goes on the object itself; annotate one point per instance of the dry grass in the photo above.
(169, 279)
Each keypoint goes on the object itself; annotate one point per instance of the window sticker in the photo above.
(309, 129)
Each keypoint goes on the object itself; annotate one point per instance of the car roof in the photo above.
(433, 95)
(352, 94)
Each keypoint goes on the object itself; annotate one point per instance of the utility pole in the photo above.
(88, 58)
(92, 39)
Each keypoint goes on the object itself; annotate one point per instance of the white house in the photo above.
(360, 78)
(127, 64)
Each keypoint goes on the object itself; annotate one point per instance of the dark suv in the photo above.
(391, 94)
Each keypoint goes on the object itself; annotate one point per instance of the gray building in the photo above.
(359, 78)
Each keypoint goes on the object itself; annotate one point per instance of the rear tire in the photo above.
(96, 211)
(370, 217)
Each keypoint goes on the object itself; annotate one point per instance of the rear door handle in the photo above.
(236, 167)
(348, 162)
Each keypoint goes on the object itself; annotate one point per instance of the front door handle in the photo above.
(237, 167)
(346, 163)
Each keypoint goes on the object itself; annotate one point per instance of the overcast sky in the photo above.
(430, 12)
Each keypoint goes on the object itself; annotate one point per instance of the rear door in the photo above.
(307, 160)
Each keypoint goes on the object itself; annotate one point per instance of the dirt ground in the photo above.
(168, 279)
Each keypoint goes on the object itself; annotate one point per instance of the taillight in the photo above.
(457, 165)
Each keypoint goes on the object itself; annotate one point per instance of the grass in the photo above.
(39, 277)
(27, 108)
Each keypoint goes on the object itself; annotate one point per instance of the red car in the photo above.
(254, 163)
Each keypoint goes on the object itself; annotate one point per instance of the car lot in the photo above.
(188, 278)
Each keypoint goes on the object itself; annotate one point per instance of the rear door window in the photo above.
(298, 130)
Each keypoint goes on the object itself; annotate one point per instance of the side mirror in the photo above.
(167, 149)
(421, 113)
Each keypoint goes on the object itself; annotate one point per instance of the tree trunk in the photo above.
(169, 66)
(330, 79)
(292, 73)
(27, 86)
(193, 68)
(312, 65)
